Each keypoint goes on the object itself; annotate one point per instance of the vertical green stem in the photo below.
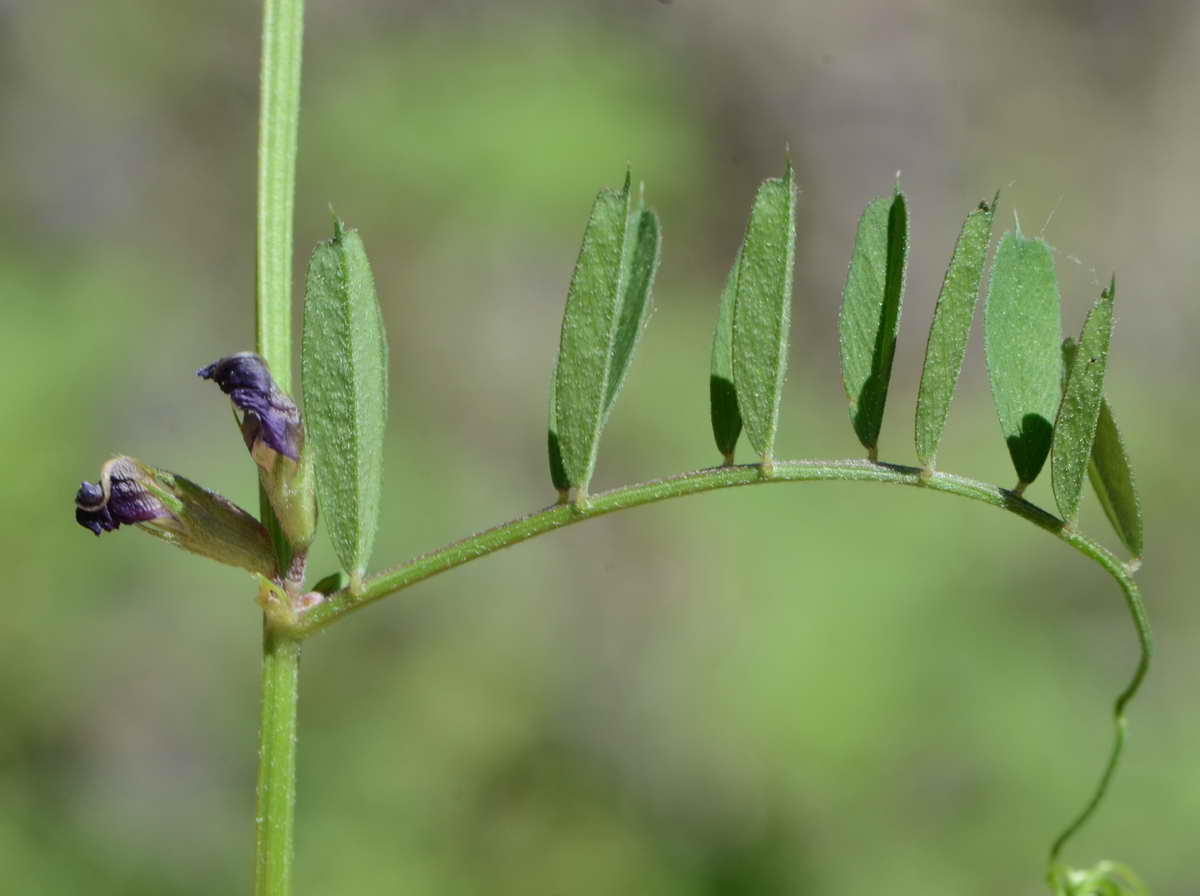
(283, 26)
(276, 797)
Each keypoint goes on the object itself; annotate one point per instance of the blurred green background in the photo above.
(803, 689)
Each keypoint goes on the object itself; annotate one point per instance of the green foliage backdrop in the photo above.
(652, 702)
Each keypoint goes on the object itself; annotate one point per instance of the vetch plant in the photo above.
(328, 459)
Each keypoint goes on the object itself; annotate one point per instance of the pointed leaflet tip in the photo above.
(339, 226)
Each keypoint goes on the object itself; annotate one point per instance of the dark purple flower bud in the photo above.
(269, 417)
(175, 509)
(274, 434)
(120, 497)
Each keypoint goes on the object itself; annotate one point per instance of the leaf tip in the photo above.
(339, 226)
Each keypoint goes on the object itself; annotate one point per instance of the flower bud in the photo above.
(274, 435)
(174, 509)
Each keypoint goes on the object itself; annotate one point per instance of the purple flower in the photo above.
(175, 509)
(274, 434)
(120, 497)
(270, 419)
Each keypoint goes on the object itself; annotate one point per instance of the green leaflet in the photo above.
(762, 310)
(1021, 335)
(589, 331)
(950, 330)
(344, 367)
(642, 261)
(726, 420)
(870, 318)
(607, 309)
(1079, 411)
(1110, 472)
(1112, 479)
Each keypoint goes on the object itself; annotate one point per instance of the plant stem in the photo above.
(559, 515)
(276, 794)
(283, 27)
